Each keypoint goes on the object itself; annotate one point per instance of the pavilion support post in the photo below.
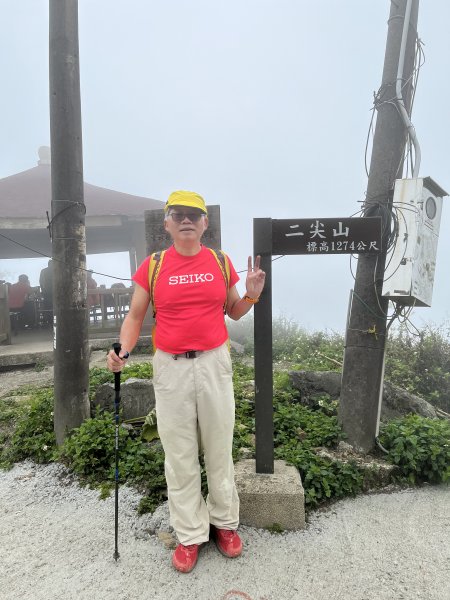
(71, 349)
(132, 259)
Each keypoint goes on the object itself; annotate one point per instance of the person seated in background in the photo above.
(93, 298)
(46, 283)
(19, 300)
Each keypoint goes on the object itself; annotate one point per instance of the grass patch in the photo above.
(26, 427)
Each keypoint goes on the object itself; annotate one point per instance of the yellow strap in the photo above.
(224, 265)
(154, 268)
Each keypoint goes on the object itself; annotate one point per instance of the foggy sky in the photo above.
(261, 106)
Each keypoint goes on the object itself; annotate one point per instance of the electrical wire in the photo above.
(393, 213)
(91, 270)
(419, 61)
(273, 260)
(62, 261)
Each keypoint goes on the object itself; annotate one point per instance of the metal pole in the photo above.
(366, 332)
(117, 347)
(71, 350)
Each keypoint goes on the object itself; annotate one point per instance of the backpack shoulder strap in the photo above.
(224, 264)
(154, 268)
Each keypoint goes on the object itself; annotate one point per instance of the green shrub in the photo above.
(421, 363)
(89, 449)
(298, 421)
(419, 446)
(139, 370)
(9, 410)
(31, 435)
(326, 404)
(90, 453)
(322, 478)
(297, 430)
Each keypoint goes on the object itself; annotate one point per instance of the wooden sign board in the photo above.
(326, 236)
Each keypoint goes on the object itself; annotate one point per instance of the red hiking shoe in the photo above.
(185, 558)
(227, 541)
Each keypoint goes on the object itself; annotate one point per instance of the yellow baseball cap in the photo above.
(185, 198)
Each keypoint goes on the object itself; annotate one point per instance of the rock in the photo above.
(313, 384)
(396, 401)
(104, 397)
(344, 447)
(377, 473)
(137, 397)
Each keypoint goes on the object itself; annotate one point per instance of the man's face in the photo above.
(184, 223)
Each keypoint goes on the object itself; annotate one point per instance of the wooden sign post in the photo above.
(294, 236)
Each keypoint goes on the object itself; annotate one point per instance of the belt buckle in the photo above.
(191, 354)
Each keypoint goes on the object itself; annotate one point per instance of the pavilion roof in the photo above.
(28, 194)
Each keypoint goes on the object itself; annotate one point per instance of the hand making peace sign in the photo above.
(255, 278)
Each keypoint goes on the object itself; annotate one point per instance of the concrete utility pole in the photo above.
(71, 350)
(365, 337)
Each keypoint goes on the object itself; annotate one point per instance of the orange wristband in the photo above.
(250, 300)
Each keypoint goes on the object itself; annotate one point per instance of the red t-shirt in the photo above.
(17, 294)
(189, 296)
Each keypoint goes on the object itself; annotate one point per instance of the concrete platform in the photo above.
(270, 500)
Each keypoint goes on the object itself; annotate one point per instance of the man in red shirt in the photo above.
(192, 376)
(18, 300)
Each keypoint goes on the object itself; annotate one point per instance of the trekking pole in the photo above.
(116, 347)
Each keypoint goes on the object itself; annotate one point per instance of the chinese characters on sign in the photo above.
(326, 236)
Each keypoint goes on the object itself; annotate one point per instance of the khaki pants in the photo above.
(195, 411)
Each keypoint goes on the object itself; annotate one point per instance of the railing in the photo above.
(105, 316)
(112, 308)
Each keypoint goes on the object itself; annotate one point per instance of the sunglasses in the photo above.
(179, 217)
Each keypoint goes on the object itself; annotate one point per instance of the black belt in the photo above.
(188, 354)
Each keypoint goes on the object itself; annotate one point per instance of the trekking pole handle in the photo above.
(117, 347)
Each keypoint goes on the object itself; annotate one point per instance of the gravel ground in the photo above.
(57, 543)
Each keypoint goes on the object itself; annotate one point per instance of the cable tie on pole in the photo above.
(59, 213)
(48, 226)
(373, 330)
